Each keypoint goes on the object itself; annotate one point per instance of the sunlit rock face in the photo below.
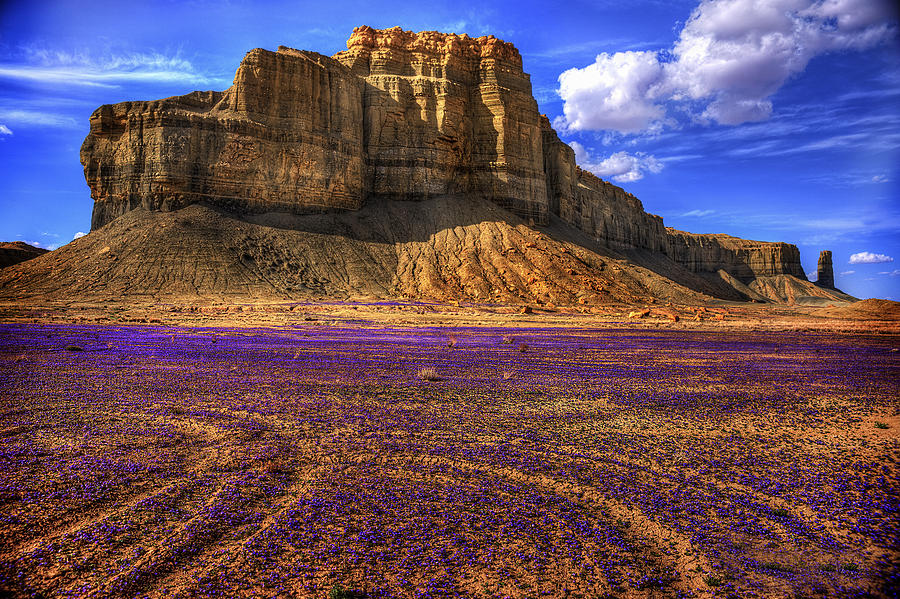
(742, 258)
(286, 137)
(398, 115)
(447, 113)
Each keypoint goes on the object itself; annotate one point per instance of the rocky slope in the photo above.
(452, 247)
(397, 116)
(13, 252)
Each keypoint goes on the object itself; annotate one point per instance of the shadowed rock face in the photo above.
(397, 116)
(825, 270)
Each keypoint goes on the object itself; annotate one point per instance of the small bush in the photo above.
(339, 592)
(507, 340)
(780, 512)
(74, 348)
(713, 581)
(507, 375)
(428, 374)
(276, 466)
(523, 348)
(451, 342)
(882, 425)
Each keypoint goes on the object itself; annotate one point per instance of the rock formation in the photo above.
(397, 116)
(13, 252)
(286, 137)
(825, 270)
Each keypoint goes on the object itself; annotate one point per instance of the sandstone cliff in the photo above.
(287, 136)
(397, 116)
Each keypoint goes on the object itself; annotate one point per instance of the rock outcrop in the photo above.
(743, 259)
(13, 252)
(825, 270)
(397, 116)
(286, 137)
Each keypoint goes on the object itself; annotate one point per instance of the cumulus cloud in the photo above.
(613, 93)
(78, 235)
(730, 58)
(621, 167)
(4, 130)
(869, 258)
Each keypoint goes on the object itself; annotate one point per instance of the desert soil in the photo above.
(284, 450)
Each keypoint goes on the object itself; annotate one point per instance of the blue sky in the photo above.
(766, 119)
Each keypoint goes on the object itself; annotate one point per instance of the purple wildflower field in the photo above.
(160, 461)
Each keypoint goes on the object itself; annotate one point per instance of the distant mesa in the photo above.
(13, 252)
(410, 164)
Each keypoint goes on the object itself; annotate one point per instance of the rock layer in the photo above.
(397, 116)
(287, 136)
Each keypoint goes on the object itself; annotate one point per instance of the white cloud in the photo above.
(4, 130)
(892, 273)
(621, 167)
(869, 258)
(848, 273)
(37, 117)
(880, 179)
(730, 58)
(74, 68)
(812, 275)
(699, 213)
(613, 93)
(78, 235)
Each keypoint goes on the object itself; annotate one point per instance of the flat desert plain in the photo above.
(341, 459)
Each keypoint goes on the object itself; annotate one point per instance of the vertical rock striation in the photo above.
(287, 136)
(447, 114)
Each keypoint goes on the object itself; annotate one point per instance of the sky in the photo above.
(776, 120)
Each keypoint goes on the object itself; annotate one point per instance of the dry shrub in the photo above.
(276, 466)
(507, 375)
(428, 374)
(507, 340)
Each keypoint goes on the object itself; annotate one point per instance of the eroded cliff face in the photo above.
(287, 136)
(397, 116)
(743, 259)
(445, 114)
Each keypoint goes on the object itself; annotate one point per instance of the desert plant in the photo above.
(507, 375)
(339, 592)
(507, 340)
(276, 466)
(882, 425)
(428, 374)
(523, 348)
(451, 342)
(712, 581)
